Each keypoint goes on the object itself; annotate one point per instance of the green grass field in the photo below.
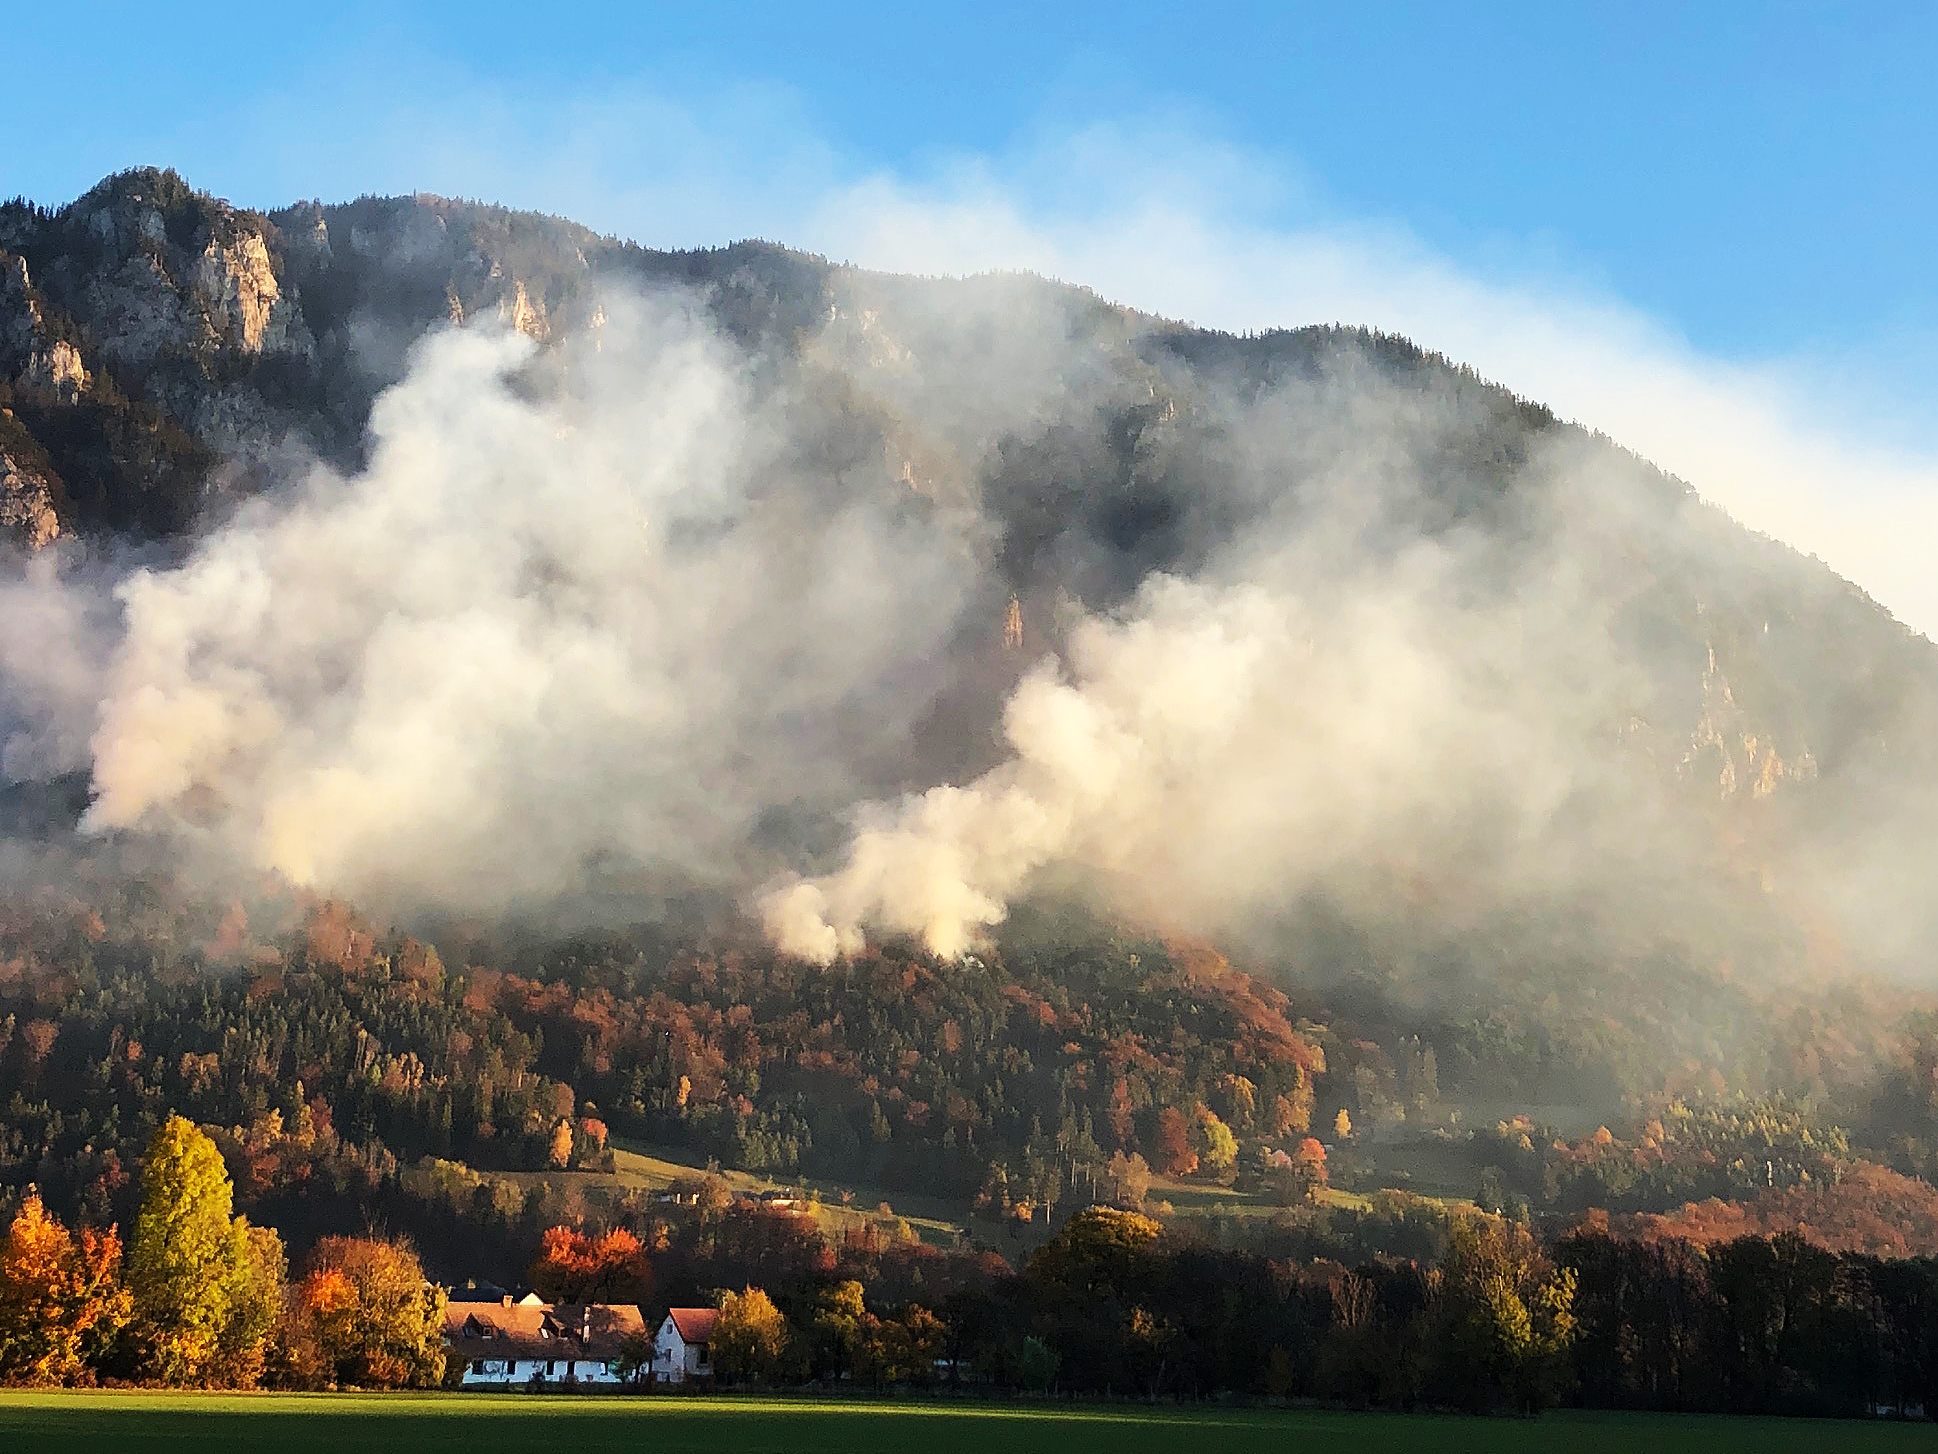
(513, 1424)
(1207, 1199)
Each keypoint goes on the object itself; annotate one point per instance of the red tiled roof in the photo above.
(524, 1331)
(600, 1328)
(516, 1332)
(695, 1324)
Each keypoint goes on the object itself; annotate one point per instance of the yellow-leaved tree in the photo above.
(751, 1342)
(199, 1275)
(1509, 1316)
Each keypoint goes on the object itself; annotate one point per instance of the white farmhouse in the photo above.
(514, 1342)
(680, 1351)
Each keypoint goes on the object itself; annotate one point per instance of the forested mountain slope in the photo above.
(1620, 800)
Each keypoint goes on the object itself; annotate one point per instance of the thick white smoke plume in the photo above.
(1309, 716)
(649, 612)
(593, 611)
(1158, 718)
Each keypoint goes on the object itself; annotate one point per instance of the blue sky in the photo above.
(1759, 175)
(1704, 228)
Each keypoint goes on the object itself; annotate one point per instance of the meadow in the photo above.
(837, 1206)
(509, 1424)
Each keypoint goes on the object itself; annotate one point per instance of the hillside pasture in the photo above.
(834, 1206)
(837, 1206)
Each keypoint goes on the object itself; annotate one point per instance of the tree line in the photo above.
(201, 1297)
(1498, 1321)
(1483, 1314)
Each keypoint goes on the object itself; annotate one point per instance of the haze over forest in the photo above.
(460, 561)
(728, 633)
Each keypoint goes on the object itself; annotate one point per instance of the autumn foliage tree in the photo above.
(257, 1307)
(370, 1315)
(61, 1299)
(1292, 1111)
(901, 1350)
(193, 1268)
(751, 1342)
(1509, 1316)
(1127, 1181)
(1099, 1273)
(1298, 1176)
(1174, 1154)
(1216, 1147)
(1099, 1252)
(839, 1327)
(1309, 1165)
(580, 1267)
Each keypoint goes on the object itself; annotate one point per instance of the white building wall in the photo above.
(500, 1372)
(675, 1360)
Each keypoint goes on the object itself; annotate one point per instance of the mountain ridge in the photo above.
(208, 351)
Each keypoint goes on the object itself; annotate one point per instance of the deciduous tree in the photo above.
(61, 1297)
(256, 1314)
(1216, 1147)
(1127, 1180)
(1174, 1153)
(751, 1342)
(188, 1262)
(581, 1267)
(377, 1321)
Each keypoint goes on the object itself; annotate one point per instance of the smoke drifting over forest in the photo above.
(654, 611)
(1324, 705)
(576, 610)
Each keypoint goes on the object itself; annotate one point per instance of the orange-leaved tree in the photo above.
(61, 1298)
(580, 1267)
(370, 1315)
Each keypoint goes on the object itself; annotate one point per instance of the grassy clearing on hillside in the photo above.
(1206, 1199)
(649, 1168)
(936, 1220)
(1445, 1169)
(128, 1423)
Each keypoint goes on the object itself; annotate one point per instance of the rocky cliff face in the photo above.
(29, 519)
(38, 364)
(182, 297)
(33, 357)
(1728, 749)
(162, 344)
(235, 283)
(175, 276)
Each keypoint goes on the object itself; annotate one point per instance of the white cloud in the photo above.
(1182, 233)
(1158, 214)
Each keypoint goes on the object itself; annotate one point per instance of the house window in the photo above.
(551, 1365)
(477, 1365)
